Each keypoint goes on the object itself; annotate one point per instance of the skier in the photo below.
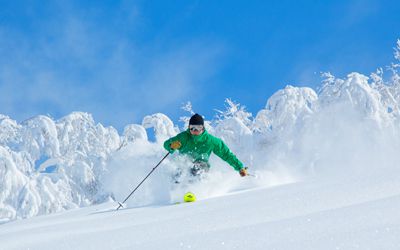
(198, 144)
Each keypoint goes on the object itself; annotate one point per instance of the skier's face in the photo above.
(196, 129)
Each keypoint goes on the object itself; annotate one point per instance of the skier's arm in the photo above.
(167, 144)
(173, 143)
(222, 151)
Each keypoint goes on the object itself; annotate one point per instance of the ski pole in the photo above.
(121, 204)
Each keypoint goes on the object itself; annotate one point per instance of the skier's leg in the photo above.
(177, 177)
(199, 168)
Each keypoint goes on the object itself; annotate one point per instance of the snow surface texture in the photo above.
(349, 128)
(347, 213)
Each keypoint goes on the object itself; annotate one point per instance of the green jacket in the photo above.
(199, 147)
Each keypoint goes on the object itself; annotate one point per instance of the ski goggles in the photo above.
(196, 127)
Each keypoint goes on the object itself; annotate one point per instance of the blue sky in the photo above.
(122, 60)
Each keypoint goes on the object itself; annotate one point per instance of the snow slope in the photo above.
(351, 213)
